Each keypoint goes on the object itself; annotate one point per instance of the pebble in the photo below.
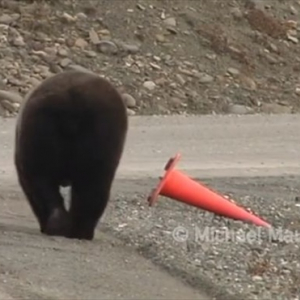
(149, 85)
(65, 62)
(293, 39)
(160, 38)
(94, 38)
(78, 68)
(130, 48)
(275, 108)
(297, 91)
(170, 22)
(180, 79)
(18, 41)
(248, 83)
(90, 53)
(271, 59)
(233, 71)
(10, 96)
(107, 47)
(11, 107)
(104, 32)
(34, 81)
(54, 68)
(155, 66)
(237, 13)
(129, 100)
(63, 52)
(130, 112)
(171, 30)
(81, 16)
(7, 19)
(239, 109)
(205, 78)
(68, 18)
(81, 43)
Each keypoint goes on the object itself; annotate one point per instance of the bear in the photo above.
(70, 132)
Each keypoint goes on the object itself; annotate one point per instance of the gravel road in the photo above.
(137, 253)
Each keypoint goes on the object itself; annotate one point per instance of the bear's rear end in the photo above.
(71, 130)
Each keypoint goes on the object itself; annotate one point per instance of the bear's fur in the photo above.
(70, 131)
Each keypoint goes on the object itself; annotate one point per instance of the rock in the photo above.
(233, 71)
(65, 62)
(81, 16)
(107, 47)
(239, 109)
(81, 43)
(15, 82)
(94, 38)
(90, 54)
(18, 41)
(34, 81)
(272, 47)
(155, 66)
(54, 68)
(10, 96)
(248, 83)
(149, 85)
(130, 48)
(171, 30)
(237, 13)
(8, 19)
(51, 50)
(293, 10)
(297, 91)
(191, 18)
(271, 59)
(40, 53)
(255, 4)
(257, 278)
(293, 39)
(177, 102)
(130, 112)
(104, 33)
(170, 22)
(160, 38)
(68, 18)
(162, 109)
(63, 52)
(46, 74)
(129, 100)
(70, 42)
(275, 108)
(11, 107)
(180, 79)
(205, 78)
(141, 7)
(78, 68)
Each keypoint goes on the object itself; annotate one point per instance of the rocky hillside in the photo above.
(166, 56)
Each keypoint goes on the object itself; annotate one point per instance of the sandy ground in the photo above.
(119, 264)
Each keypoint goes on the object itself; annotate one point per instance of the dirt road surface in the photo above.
(33, 266)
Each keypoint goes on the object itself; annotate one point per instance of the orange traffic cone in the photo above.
(180, 187)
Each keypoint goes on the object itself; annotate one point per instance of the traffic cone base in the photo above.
(178, 186)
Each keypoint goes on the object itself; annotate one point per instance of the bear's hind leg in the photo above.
(48, 206)
(89, 198)
(38, 207)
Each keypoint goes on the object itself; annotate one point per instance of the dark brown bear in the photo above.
(71, 131)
